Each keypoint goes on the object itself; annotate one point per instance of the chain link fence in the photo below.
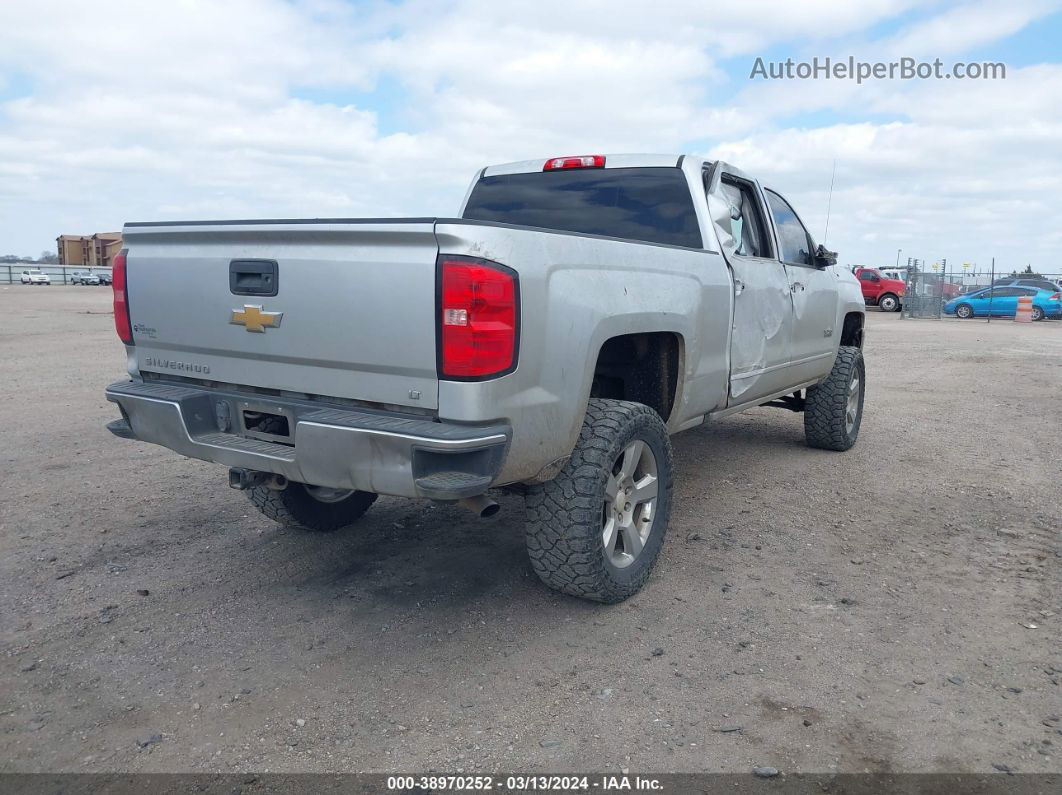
(924, 295)
(926, 292)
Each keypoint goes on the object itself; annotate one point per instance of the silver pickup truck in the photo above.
(549, 339)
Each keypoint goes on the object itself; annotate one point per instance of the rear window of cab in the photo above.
(651, 205)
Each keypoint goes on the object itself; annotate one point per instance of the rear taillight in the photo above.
(478, 317)
(580, 161)
(121, 298)
(1055, 297)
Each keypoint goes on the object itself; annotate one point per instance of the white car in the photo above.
(35, 277)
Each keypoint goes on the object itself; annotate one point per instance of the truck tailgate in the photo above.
(353, 315)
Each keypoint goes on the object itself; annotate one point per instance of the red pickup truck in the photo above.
(880, 291)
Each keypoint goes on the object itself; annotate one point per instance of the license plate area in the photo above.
(266, 421)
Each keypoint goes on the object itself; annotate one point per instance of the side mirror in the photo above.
(824, 258)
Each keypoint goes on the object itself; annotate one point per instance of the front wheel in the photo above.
(314, 508)
(889, 303)
(833, 409)
(964, 311)
(596, 530)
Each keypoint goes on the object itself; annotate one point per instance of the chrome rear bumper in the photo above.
(326, 445)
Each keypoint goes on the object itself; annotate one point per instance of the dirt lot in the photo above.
(894, 608)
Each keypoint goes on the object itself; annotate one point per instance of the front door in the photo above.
(869, 284)
(814, 291)
(763, 308)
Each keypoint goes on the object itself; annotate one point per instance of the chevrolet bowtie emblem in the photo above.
(252, 318)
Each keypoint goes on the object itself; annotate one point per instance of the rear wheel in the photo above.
(1037, 313)
(596, 530)
(315, 508)
(964, 311)
(319, 509)
(889, 303)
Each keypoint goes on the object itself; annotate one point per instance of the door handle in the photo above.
(796, 286)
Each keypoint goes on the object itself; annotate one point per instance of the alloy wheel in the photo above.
(851, 412)
(629, 505)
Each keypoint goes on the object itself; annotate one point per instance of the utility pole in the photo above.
(991, 288)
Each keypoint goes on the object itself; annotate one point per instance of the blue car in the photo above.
(1004, 303)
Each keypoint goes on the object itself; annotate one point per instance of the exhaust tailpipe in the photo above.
(481, 505)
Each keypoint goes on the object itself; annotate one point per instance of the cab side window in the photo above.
(865, 276)
(746, 221)
(793, 238)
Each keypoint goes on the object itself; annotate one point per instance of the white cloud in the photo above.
(202, 109)
(969, 25)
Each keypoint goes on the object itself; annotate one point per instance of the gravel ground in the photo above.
(894, 608)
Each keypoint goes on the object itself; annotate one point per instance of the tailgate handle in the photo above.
(253, 277)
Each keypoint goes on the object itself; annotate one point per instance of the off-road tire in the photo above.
(295, 507)
(826, 405)
(564, 516)
(889, 303)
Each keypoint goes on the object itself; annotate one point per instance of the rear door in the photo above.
(337, 309)
(1026, 292)
(763, 308)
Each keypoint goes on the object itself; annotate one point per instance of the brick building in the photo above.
(95, 251)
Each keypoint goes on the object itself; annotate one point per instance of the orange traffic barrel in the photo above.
(1024, 313)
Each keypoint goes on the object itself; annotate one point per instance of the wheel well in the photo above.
(852, 332)
(639, 367)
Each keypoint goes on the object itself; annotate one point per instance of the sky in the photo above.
(124, 110)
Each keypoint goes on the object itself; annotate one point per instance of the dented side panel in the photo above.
(763, 330)
(760, 349)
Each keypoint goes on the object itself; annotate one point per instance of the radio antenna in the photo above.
(829, 202)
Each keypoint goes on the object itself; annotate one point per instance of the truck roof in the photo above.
(611, 161)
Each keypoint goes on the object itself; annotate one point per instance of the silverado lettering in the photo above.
(170, 364)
